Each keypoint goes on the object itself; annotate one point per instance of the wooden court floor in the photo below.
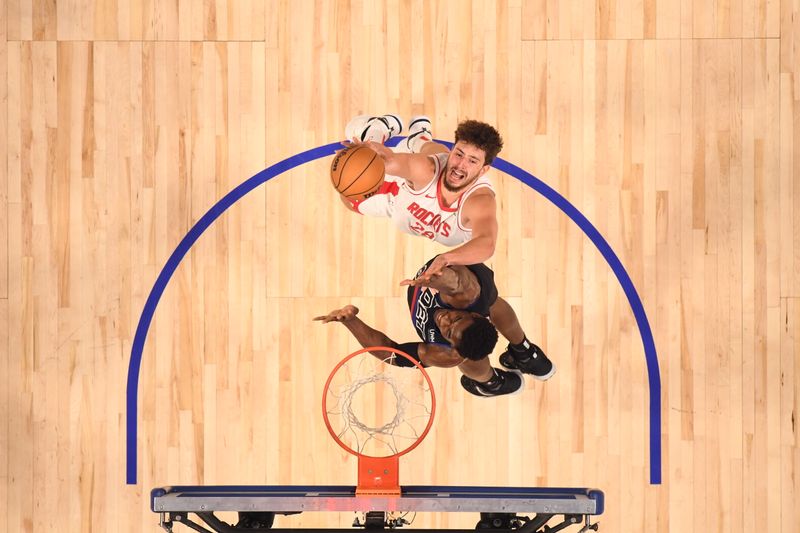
(673, 126)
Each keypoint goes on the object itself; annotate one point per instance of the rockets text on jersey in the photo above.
(429, 224)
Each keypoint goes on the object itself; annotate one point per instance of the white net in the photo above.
(377, 409)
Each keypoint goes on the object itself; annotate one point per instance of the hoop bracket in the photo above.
(378, 476)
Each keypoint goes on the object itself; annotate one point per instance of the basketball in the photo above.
(357, 172)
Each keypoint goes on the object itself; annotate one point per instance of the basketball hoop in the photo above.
(363, 424)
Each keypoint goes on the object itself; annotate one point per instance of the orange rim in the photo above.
(359, 352)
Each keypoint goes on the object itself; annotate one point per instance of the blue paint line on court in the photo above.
(651, 356)
(169, 268)
(310, 155)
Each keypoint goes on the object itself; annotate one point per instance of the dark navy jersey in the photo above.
(424, 301)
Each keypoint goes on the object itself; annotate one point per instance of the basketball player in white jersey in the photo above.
(434, 193)
(445, 196)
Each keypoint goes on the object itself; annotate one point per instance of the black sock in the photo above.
(524, 346)
(523, 351)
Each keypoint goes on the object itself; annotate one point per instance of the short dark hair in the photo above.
(482, 135)
(478, 340)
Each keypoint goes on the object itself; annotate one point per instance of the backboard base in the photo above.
(552, 509)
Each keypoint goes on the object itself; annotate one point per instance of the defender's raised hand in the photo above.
(348, 312)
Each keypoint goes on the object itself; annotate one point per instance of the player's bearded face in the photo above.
(465, 164)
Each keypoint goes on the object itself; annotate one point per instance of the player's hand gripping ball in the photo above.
(357, 172)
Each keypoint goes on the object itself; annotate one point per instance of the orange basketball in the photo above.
(357, 172)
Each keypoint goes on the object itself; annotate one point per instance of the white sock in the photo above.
(419, 133)
(416, 143)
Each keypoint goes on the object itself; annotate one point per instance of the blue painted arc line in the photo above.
(322, 151)
(132, 410)
(651, 356)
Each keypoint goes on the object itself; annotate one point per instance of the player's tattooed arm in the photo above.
(480, 215)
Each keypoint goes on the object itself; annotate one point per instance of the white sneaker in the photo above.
(369, 128)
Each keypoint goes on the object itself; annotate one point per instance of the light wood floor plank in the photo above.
(4, 173)
(672, 128)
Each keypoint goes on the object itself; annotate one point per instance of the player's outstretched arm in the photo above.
(416, 168)
(364, 334)
(457, 285)
(480, 214)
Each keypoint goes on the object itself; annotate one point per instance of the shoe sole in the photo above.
(540, 378)
(546, 376)
(518, 391)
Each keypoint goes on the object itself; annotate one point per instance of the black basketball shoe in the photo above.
(533, 362)
(503, 382)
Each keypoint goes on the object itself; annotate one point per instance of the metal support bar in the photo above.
(184, 519)
(589, 526)
(533, 525)
(352, 530)
(165, 524)
(506, 520)
(569, 520)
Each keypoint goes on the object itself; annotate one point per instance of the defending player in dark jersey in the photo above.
(449, 312)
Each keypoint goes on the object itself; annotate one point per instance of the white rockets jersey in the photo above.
(422, 212)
